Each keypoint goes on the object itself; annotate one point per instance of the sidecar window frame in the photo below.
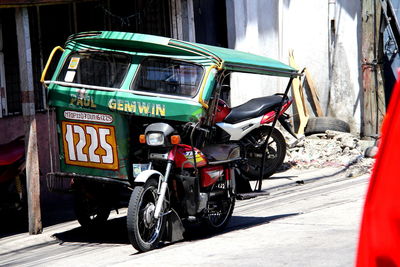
(67, 61)
(194, 93)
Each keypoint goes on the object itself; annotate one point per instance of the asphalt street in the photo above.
(310, 218)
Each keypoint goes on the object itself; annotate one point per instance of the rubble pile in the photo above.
(331, 149)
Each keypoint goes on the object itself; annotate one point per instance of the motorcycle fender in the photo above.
(145, 175)
(238, 130)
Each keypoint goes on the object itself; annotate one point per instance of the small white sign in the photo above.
(69, 77)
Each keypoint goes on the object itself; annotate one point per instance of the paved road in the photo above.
(311, 224)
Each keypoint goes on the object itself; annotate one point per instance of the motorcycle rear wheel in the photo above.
(144, 231)
(219, 209)
(253, 152)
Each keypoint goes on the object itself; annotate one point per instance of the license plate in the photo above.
(138, 168)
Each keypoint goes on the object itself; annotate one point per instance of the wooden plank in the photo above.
(191, 27)
(25, 3)
(298, 96)
(176, 19)
(28, 111)
(368, 55)
(314, 94)
(380, 90)
(3, 102)
(179, 26)
(373, 105)
(172, 12)
(3, 91)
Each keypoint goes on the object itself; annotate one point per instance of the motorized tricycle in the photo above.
(147, 113)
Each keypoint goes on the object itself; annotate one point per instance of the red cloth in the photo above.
(379, 242)
(11, 152)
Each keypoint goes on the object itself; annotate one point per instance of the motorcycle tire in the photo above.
(254, 153)
(89, 212)
(322, 124)
(219, 210)
(143, 231)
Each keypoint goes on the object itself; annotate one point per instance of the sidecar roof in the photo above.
(224, 58)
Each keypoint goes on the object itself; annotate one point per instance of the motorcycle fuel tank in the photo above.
(184, 157)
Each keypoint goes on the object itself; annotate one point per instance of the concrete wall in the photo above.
(271, 28)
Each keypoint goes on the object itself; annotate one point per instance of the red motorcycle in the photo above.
(12, 176)
(181, 186)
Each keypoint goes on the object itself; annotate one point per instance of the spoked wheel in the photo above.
(90, 212)
(144, 231)
(254, 150)
(219, 208)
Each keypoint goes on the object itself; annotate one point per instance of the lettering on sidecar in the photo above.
(82, 101)
(88, 116)
(137, 107)
(90, 145)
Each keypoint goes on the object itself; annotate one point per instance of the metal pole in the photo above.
(277, 110)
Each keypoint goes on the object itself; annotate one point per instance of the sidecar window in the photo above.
(95, 68)
(168, 76)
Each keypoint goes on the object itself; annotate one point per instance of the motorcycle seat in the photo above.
(253, 108)
(12, 151)
(221, 152)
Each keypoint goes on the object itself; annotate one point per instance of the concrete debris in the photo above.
(331, 149)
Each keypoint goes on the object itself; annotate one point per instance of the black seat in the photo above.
(221, 152)
(253, 108)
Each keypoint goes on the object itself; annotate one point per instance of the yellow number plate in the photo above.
(90, 145)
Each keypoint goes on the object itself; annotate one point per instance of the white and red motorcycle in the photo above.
(252, 126)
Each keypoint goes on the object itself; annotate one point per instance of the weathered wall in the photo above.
(12, 127)
(345, 81)
(271, 28)
(253, 26)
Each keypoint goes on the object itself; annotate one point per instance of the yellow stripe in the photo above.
(203, 85)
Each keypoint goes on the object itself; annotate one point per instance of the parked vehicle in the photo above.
(195, 186)
(109, 88)
(247, 125)
(12, 176)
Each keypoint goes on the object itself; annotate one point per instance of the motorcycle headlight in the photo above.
(155, 139)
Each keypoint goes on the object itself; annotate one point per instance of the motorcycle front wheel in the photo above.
(144, 231)
(254, 150)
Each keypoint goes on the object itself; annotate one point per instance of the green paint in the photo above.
(124, 105)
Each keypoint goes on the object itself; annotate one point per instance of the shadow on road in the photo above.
(243, 222)
(237, 223)
(289, 177)
(114, 231)
(59, 210)
(13, 222)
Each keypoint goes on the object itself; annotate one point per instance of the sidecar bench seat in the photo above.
(253, 108)
(221, 153)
